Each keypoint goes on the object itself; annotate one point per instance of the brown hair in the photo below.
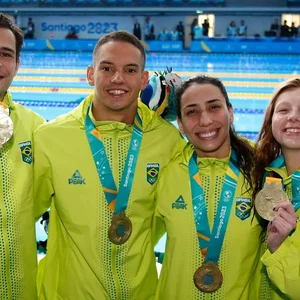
(241, 146)
(5, 22)
(267, 148)
(121, 36)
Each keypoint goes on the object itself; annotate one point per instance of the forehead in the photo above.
(202, 93)
(7, 39)
(119, 53)
(291, 96)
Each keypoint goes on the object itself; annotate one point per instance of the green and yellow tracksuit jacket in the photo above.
(18, 255)
(283, 266)
(241, 251)
(81, 262)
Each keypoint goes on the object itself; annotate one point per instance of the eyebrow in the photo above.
(7, 49)
(208, 102)
(107, 62)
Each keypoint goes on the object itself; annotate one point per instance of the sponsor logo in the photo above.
(179, 203)
(76, 178)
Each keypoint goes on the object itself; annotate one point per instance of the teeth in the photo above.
(293, 130)
(208, 134)
(117, 92)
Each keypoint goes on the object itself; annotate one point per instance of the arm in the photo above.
(42, 184)
(282, 259)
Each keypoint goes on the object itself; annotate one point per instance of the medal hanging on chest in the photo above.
(6, 124)
(208, 277)
(120, 228)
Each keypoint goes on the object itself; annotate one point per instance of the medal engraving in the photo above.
(271, 195)
(208, 278)
(120, 229)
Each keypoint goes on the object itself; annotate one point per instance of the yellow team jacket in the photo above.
(240, 255)
(283, 266)
(81, 262)
(18, 251)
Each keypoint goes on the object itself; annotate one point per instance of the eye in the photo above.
(191, 112)
(5, 54)
(131, 71)
(214, 107)
(106, 69)
(282, 110)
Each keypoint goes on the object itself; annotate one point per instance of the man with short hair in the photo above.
(17, 238)
(97, 167)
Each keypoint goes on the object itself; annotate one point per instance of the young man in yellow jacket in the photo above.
(17, 239)
(97, 167)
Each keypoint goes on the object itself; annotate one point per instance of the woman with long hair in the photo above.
(204, 201)
(278, 159)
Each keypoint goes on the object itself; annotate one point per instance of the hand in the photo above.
(281, 226)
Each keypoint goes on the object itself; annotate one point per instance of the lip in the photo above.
(208, 134)
(292, 130)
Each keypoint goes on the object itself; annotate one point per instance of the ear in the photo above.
(145, 77)
(90, 75)
(180, 125)
(231, 115)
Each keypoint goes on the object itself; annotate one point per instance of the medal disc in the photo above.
(267, 198)
(120, 229)
(208, 278)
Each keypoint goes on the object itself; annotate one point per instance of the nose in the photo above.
(294, 116)
(117, 78)
(205, 119)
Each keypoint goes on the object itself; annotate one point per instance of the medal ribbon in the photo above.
(279, 163)
(210, 242)
(117, 200)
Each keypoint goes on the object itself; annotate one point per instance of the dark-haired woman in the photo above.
(204, 201)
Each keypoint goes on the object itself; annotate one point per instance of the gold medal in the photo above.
(120, 229)
(208, 278)
(271, 195)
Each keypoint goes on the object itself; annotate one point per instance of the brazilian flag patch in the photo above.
(152, 172)
(26, 151)
(243, 208)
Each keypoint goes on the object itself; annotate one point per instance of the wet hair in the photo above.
(121, 36)
(5, 22)
(242, 147)
(267, 148)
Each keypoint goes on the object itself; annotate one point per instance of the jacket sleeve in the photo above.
(283, 266)
(42, 179)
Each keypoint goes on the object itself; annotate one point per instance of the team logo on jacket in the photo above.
(26, 151)
(179, 203)
(152, 170)
(76, 178)
(243, 208)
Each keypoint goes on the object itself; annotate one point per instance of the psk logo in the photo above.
(227, 195)
(152, 170)
(76, 178)
(26, 151)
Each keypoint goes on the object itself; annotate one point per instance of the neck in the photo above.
(122, 116)
(292, 160)
(215, 154)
